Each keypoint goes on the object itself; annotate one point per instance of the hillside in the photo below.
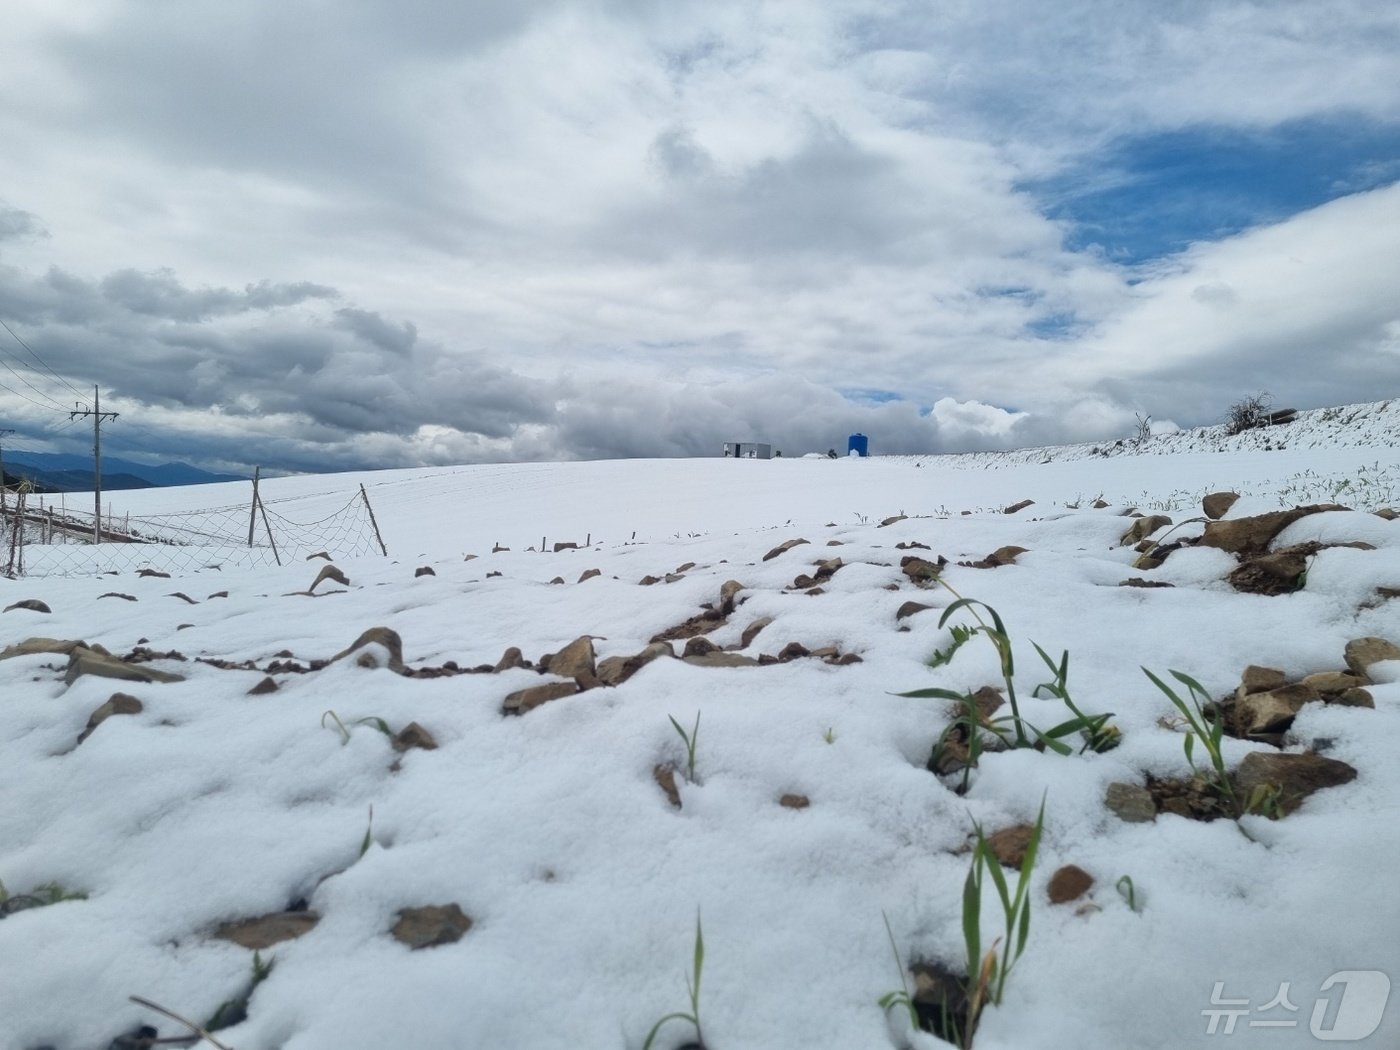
(522, 858)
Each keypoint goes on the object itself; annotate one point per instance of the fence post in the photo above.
(263, 511)
(253, 510)
(365, 496)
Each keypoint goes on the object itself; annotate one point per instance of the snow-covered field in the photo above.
(551, 831)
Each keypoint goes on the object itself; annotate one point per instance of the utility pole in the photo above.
(97, 416)
(3, 434)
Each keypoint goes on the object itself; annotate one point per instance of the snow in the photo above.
(212, 805)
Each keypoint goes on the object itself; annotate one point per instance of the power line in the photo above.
(42, 363)
(11, 369)
(46, 408)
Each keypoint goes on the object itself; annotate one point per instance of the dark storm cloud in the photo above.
(369, 326)
(161, 295)
(16, 223)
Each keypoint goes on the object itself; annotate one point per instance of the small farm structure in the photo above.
(747, 450)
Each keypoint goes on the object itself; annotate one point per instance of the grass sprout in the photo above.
(370, 720)
(692, 985)
(987, 972)
(690, 740)
(1201, 728)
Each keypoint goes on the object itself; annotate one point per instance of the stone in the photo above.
(589, 574)
(32, 604)
(576, 660)
(1293, 776)
(1388, 513)
(430, 926)
(1273, 711)
(329, 572)
(1131, 802)
(665, 777)
(909, 609)
(615, 670)
(793, 651)
(267, 930)
(564, 546)
(988, 700)
(1005, 555)
(919, 570)
(1258, 679)
(267, 685)
(698, 646)
(727, 592)
(83, 661)
(413, 735)
(1019, 506)
(1252, 535)
(1138, 581)
(786, 545)
(512, 657)
(385, 637)
(423, 570)
(558, 581)
(721, 659)
(1100, 504)
(319, 554)
(892, 520)
(153, 572)
(1356, 697)
(1069, 883)
(1143, 528)
(1332, 681)
(31, 646)
(1215, 505)
(117, 594)
(1009, 845)
(522, 700)
(1270, 574)
(647, 581)
(183, 597)
(791, 801)
(686, 567)
(1362, 653)
(117, 704)
(752, 631)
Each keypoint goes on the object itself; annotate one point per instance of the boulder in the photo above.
(329, 572)
(413, 735)
(118, 704)
(1361, 653)
(589, 574)
(1019, 506)
(614, 670)
(1332, 681)
(1131, 802)
(1270, 574)
(522, 700)
(385, 637)
(423, 570)
(1272, 712)
(430, 926)
(752, 631)
(1293, 776)
(512, 657)
(1217, 504)
(83, 661)
(1143, 528)
(1252, 535)
(920, 570)
(267, 685)
(41, 645)
(32, 604)
(1258, 679)
(721, 659)
(786, 545)
(575, 660)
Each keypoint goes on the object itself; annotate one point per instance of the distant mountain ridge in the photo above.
(65, 472)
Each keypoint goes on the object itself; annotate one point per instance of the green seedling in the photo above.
(40, 896)
(1097, 734)
(987, 973)
(369, 831)
(1201, 728)
(370, 720)
(692, 985)
(690, 741)
(1128, 892)
(830, 735)
(235, 1011)
(900, 997)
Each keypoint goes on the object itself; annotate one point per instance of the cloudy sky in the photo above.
(322, 234)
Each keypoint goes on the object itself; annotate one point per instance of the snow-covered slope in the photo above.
(212, 804)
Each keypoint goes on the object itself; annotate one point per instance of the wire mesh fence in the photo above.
(41, 538)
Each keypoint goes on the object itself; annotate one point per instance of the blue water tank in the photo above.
(859, 444)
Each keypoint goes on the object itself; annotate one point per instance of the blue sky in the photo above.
(417, 232)
(1146, 197)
